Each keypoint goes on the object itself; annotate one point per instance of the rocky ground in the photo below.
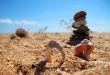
(21, 56)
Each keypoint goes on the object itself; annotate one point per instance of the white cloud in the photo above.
(17, 22)
(6, 21)
(24, 22)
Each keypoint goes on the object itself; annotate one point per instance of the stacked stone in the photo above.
(81, 31)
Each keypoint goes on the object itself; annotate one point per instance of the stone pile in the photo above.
(81, 31)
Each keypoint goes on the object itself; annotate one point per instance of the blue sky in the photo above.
(36, 14)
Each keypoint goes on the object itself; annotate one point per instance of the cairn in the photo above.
(81, 31)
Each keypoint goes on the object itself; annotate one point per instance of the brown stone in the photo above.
(80, 18)
(21, 32)
(79, 14)
(81, 28)
(80, 22)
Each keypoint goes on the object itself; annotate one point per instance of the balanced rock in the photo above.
(80, 14)
(81, 31)
(80, 22)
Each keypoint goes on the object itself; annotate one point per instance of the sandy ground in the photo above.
(18, 54)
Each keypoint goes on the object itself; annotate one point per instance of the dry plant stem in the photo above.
(50, 47)
(48, 54)
(63, 55)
